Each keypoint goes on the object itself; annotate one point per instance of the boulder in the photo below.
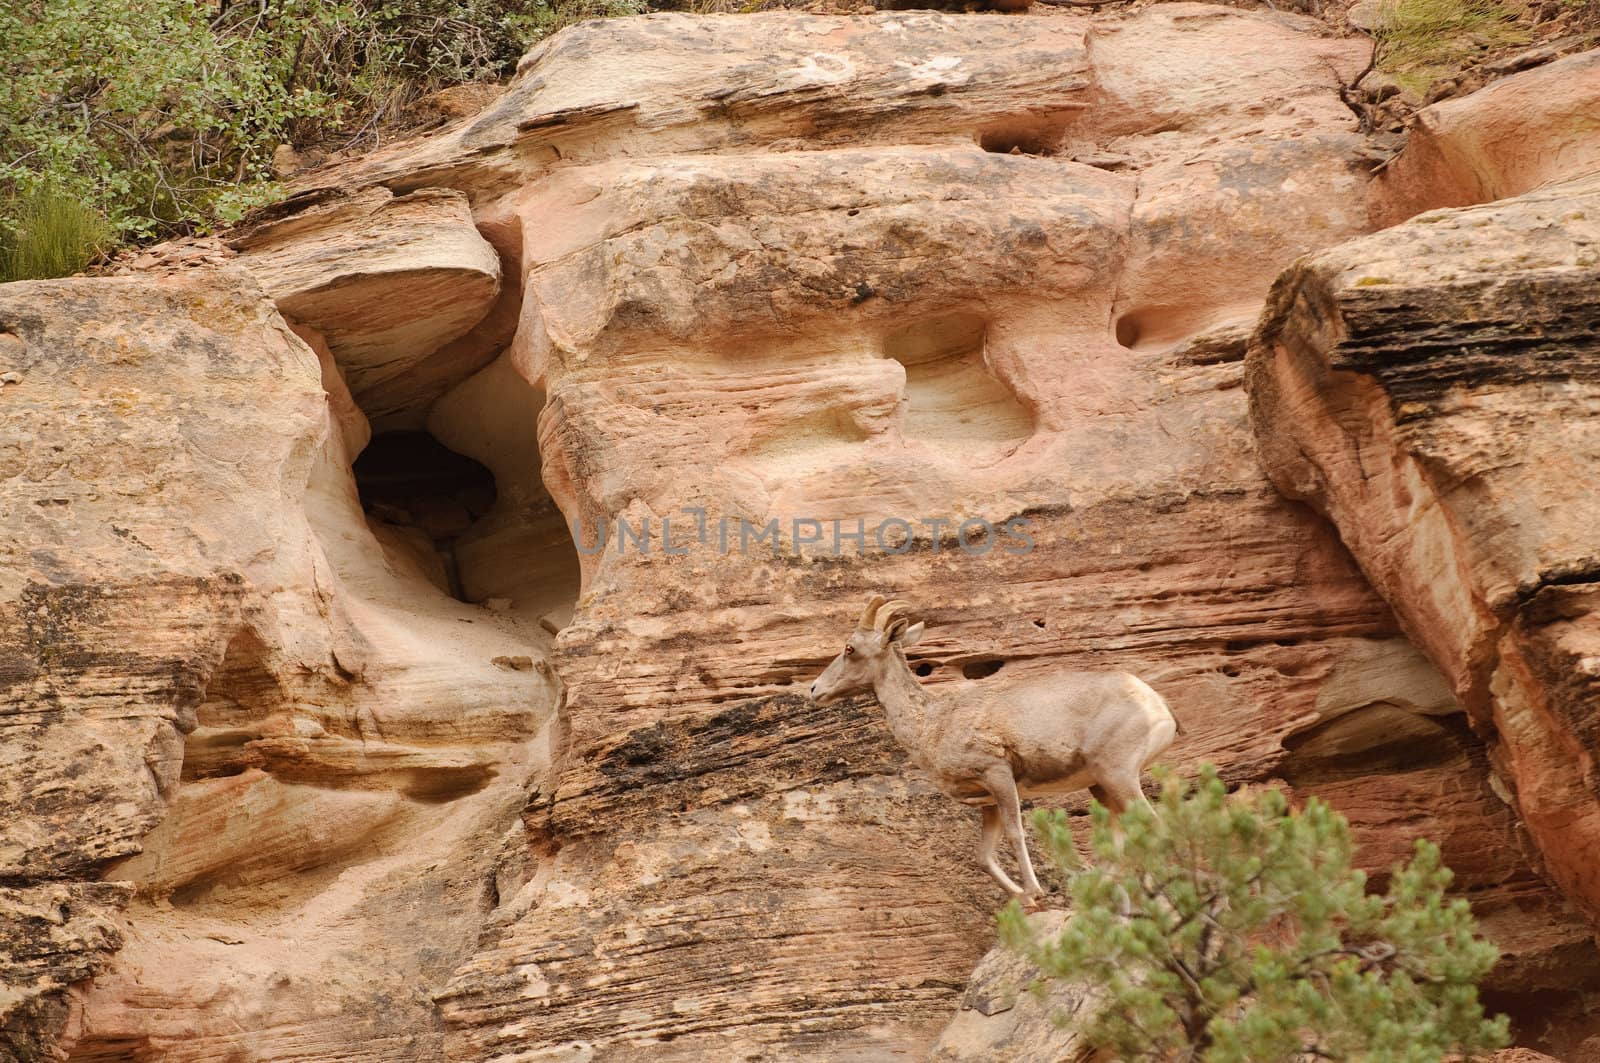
(1433, 390)
(387, 282)
(1002, 1015)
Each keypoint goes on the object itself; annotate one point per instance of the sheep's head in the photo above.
(882, 632)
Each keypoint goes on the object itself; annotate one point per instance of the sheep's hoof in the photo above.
(1033, 903)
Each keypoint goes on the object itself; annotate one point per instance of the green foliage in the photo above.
(54, 235)
(140, 109)
(1420, 41)
(162, 116)
(535, 21)
(1231, 929)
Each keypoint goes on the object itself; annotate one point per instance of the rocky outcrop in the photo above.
(1508, 138)
(115, 611)
(1008, 282)
(1432, 389)
(387, 281)
(225, 698)
(781, 81)
(1001, 1016)
(927, 331)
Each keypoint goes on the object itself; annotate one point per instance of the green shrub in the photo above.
(1420, 41)
(1227, 929)
(162, 116)
(145, 112)
(534, 22)
(52, 235)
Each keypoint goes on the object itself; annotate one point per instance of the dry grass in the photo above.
(1421, 41)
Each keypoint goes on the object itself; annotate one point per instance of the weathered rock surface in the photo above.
(779, 81)
(55, 934)
(114, 611)
(1511, 137)
(221, 695)
(388, 281)
(929, 331)
(1434, 390)
(1000, 1017)
(1431, 389)
(1009, 277)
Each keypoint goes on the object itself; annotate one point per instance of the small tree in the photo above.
(1231, 929)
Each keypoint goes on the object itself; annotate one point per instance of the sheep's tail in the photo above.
(1167, 674)
(1177, 724)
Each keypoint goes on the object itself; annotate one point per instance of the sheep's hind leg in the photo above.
(1101, 794)
(1120, 793)
(986, 850)
(999, 782)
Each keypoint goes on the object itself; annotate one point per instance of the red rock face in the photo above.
(758, 271)
(1432, 389)
(1476, 522)
(862, 333)
(1513, 136)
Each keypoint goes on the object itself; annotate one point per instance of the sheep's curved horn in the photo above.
(890, 613)
(873, 604)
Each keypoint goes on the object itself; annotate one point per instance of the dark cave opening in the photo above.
(427, 492)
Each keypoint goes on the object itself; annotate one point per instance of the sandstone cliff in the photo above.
(326, 741)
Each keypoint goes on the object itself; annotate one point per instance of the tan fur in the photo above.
(995, 741)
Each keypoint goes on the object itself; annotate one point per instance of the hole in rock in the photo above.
(444, 785)
(1200, 334)
(1141, 327)
(519, 558)
(982, 669)
(924, 669)
(1380, 738)
(426, 495)
(1027, 135)
(951, 396)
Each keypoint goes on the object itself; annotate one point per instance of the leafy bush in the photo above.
(141, 109)
(163, 115)
(1227, 929)
(1420, 41)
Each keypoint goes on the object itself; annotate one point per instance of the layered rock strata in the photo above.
(762, 274)
(1433, 389)
(289, 756)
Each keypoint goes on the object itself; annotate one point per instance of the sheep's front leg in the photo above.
(999, 782)
(986, 850)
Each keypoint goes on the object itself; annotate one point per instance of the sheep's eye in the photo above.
(848, 650)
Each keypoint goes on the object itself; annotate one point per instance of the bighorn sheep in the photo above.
(993, 743)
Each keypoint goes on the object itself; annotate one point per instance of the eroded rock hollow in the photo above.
(345, 720)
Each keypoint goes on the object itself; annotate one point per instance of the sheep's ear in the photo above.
(911, 635)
